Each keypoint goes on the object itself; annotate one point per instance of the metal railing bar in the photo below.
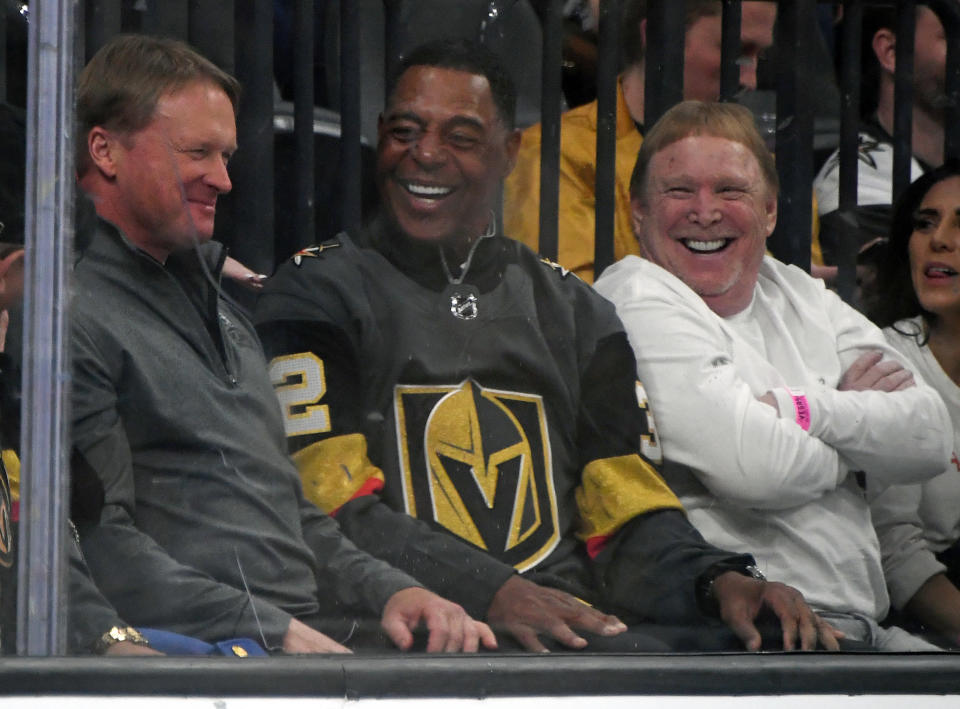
(551, 82)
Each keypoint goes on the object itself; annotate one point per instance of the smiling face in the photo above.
(704, 215)
(442, 153)
(164, 179)
(934, 250)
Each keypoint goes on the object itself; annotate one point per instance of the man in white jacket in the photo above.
(770, 393)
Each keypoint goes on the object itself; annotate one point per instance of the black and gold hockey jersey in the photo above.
(499, 415)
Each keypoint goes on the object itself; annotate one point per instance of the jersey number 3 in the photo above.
(649, 443)
(300, 384)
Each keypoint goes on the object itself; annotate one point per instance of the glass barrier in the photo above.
(287, 363)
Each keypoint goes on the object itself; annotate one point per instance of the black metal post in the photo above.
(949, 13)
(170, 18)
(3, 54)
(607, 65)
(393, 36)
(795, 99)
(304, 220)
(551, 79)
(730, 50)
(350, 145)
(102, 21)
(903, 96)
(850, 77)
(252, 167)
(663, 82)
(212, 30)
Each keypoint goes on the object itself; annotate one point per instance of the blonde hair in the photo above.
(692, 118)
(120, 86)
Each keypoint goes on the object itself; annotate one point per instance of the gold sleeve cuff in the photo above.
(335, 469)
(615, 490)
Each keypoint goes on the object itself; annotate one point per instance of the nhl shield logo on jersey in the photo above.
(477, 461)
(464, 306)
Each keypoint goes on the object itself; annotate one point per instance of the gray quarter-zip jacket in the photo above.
(202, 528)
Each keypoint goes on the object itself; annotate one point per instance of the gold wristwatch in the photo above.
(118, 634)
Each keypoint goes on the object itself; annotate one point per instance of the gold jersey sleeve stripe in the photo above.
(335, 469)
(615, 490)
(12, 463)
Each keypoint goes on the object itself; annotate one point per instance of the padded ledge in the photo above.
(488, 675)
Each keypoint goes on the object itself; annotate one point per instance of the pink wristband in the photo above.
(801, 407)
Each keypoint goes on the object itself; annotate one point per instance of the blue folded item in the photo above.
(175, 644)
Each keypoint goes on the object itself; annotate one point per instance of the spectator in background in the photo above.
(194, 517)
(770, 392)
(469, 412)
(919, 525)
(580, 25)
(578, 138)
(875, 152)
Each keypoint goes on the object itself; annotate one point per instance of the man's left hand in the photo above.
(450, 628)
(870, 371)
(741, 599)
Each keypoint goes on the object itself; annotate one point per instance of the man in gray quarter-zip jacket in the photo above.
(194, 518)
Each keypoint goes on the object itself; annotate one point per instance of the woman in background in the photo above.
(919, 525)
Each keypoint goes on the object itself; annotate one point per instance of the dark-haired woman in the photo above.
(919, 525)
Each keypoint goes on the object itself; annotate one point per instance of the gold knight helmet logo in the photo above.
(477, 461)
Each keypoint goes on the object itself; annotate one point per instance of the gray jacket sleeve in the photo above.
(444, 563)
(362, 580)
(90, 615)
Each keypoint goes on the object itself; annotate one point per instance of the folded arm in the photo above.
(711, 420)
(896, 435)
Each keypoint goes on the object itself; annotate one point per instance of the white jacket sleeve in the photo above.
(711, 421)
(896, 437)
(708, 417)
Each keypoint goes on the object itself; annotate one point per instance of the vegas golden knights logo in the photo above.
(477, 461)
(6, 520)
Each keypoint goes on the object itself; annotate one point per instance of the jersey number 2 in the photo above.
(300, 384)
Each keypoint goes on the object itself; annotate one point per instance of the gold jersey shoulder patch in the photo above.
(564, 272)
(315, 251)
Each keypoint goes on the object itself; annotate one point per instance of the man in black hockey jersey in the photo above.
(470, 413)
